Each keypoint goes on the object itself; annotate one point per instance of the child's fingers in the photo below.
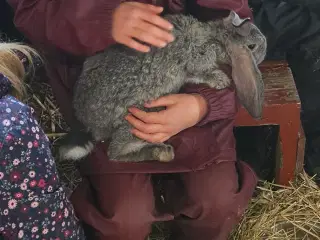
(148, 117)
(164, 101)
(156, 20)
(152, 138)
(150, 7)
(139, 11)
(144, 127)
(147, 37)
(131, 43)
(156, 32)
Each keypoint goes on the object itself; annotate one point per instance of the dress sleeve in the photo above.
(33, 203)
(79, 27)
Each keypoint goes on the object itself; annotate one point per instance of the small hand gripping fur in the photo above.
(119, 77)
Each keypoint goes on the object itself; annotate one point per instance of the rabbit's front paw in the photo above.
(217, 79)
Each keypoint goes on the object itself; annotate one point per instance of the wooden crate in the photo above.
(281, 107)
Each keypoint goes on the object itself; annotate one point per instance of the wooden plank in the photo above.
(280, 90)
(300, 152)
(279, 83)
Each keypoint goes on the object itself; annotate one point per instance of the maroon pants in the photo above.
(203, 205)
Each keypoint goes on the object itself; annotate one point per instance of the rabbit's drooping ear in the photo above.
(247, 79)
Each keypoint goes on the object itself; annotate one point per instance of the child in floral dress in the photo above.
(33, 204)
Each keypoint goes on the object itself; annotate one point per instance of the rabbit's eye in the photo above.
(252, 46)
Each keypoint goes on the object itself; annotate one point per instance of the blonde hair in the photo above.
(12, 66)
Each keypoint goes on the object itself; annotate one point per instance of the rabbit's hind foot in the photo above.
(162, 153)
(143, 151)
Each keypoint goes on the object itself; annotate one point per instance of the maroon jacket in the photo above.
(67, 31)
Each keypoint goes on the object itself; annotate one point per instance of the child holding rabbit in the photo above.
(205, 192)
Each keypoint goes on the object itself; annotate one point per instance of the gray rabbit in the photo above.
(119, 77)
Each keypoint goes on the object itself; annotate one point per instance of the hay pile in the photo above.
(286, 213)
(41, 99)
(282, 213)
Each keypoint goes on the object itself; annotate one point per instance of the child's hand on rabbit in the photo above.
(133, 20)
(182, 111)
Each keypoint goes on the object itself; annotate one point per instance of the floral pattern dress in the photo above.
(33, 204)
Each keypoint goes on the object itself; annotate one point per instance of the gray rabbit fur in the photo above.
(119, 77)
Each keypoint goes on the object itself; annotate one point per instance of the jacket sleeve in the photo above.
(209, 9)
(79, 27)
(222, 104)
